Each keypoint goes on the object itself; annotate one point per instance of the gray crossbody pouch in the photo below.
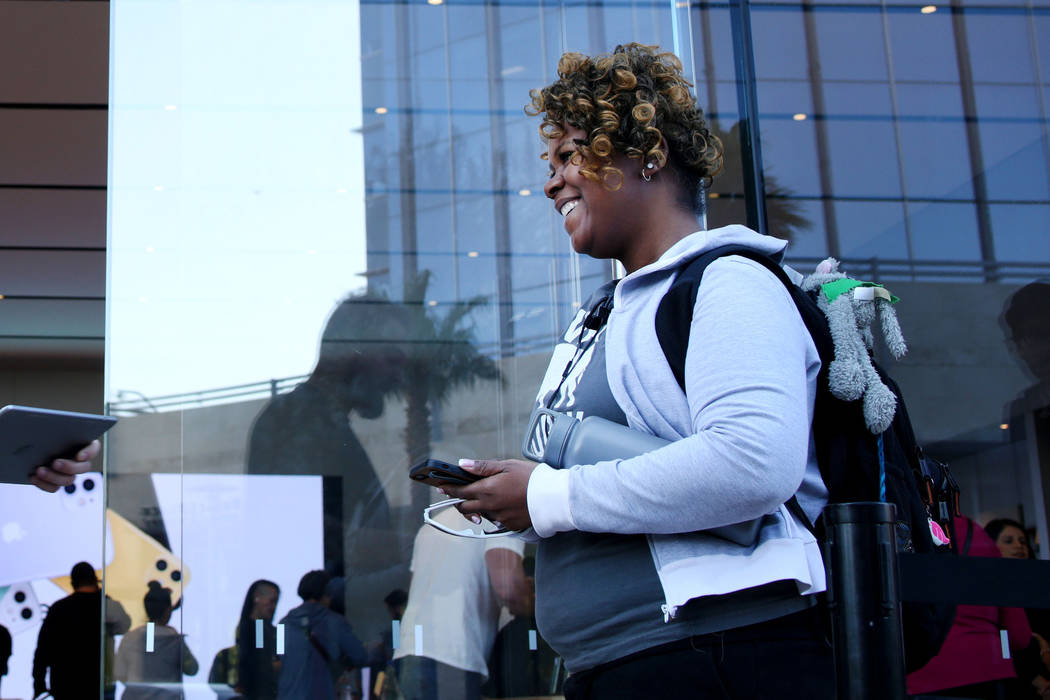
(561, 441)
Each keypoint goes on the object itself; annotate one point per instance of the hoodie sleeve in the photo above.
(350, 646)
(749, 412)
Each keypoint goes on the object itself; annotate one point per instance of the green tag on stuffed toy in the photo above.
(833, 290)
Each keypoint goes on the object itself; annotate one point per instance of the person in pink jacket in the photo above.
(972, 663)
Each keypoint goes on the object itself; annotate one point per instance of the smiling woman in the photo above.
(625, 123)
(630, 590)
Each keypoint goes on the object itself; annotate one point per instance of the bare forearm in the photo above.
(509, 582)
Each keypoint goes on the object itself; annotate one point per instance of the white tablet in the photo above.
(31, 437)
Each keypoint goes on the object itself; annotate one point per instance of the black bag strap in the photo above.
(675, 314)
(969, 538)
(796, 509)
(308, 631)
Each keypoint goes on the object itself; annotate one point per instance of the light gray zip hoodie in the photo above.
(741, 431)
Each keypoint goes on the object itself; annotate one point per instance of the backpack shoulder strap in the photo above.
(674, 316)
(969, 538)
(308, 630)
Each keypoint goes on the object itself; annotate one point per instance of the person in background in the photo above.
(382, 650)
(971, 662)
(1034, 665)
(319, 644)
(154, 673)
(458, 588)
(257, 667)
(395, 602)
(61, 472)
(1010, 538)
(69, 644)
(336, 592)
(5, 650)
(312, 430)
(348, 683)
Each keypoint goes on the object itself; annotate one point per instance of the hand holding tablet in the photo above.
(48, 448)
(61, 472)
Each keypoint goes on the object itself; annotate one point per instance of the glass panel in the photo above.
(927, 169)
(331, 257)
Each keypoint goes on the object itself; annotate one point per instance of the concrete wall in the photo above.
(69, 386)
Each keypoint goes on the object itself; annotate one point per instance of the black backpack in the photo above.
(855, 464)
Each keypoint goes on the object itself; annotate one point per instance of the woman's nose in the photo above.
(553, 186)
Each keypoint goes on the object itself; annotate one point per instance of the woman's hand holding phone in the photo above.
(500, 492)
(441, 474)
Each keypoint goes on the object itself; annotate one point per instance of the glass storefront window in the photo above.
(929, 161)
(330, 257)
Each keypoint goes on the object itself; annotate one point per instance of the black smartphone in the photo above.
(438, 473)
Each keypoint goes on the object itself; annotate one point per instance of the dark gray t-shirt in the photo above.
(598, 597)
(610, 579)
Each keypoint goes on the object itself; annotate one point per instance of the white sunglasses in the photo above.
(450, 502)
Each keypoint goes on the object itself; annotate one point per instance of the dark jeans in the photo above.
(789, 657)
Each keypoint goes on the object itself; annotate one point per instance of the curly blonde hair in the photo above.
(633, 101)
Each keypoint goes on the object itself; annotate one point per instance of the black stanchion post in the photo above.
(864, 601)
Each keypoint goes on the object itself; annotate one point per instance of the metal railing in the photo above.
(139, 403)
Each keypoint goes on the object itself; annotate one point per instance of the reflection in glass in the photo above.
(152, 658)
(932, 160)
(364, 174)
(76, 637)
(250, 666)
(318, 644)
(459, 586)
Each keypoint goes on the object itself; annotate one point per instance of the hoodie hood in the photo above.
(304, 615)
(693, 245)
(702, 241)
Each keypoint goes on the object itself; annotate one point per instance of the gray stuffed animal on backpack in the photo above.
(851, 307)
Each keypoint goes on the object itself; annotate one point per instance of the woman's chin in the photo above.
(578, 243)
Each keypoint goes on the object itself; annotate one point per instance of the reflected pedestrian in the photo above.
(5, 650)
(152, 658)
(459, 587)
(395, 602)
(318, 644)
(69, 645)
(257, 660)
